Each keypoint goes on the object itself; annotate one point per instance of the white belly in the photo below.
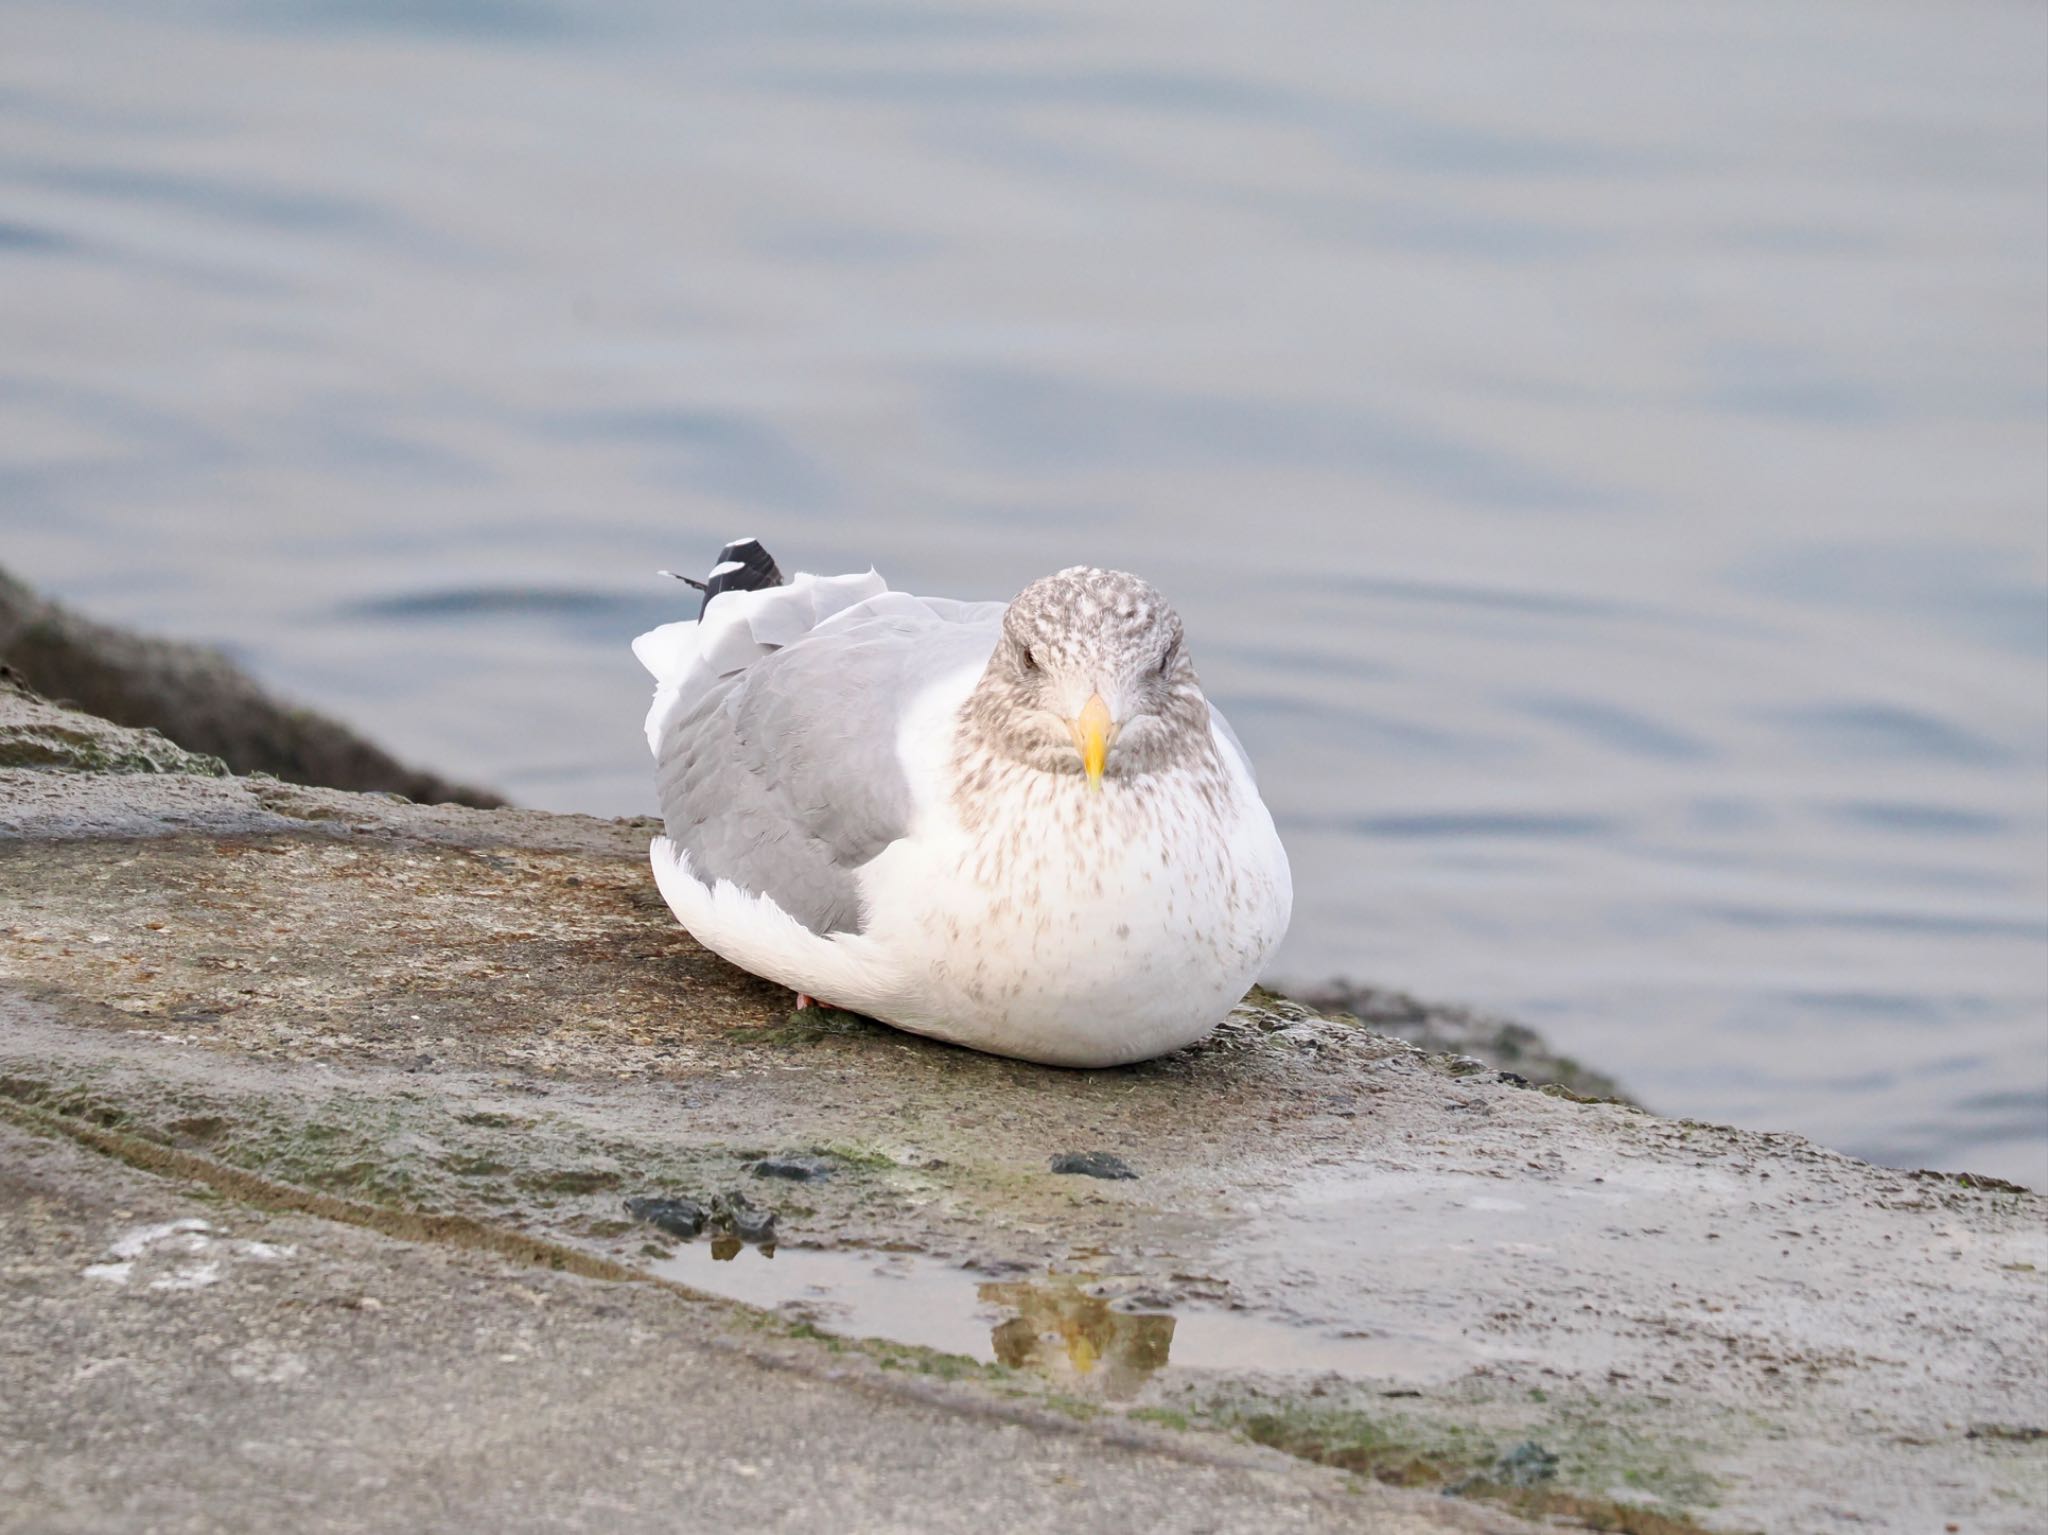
(1084, 929)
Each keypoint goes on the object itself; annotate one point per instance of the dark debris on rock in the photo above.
(794, 1169)
(678, 1217)
(733, 1212)
(731, 1215)
(1093, 1164)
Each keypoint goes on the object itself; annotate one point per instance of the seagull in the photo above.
(1019, 827)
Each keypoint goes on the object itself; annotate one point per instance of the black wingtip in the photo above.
(742, 566)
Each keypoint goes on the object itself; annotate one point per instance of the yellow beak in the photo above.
(1092, 734)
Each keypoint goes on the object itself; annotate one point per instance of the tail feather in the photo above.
(742, 566)
(769, 610)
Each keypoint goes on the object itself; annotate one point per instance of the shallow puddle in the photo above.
(1070, 1328)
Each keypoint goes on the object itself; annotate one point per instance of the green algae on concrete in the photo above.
(37, 734)
(1645, 1487)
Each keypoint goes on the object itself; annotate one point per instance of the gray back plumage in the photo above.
(783, 776)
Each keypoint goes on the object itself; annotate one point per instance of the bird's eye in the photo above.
(1166, 661)
(1030, 660)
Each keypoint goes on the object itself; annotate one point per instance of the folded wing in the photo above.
(775, 729)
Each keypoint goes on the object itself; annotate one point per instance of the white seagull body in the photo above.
(864, 801)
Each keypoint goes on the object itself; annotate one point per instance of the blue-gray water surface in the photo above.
(1599, 450)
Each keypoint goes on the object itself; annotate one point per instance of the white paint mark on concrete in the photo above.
(134, 1243)
(199, 1251)
(188, 1276)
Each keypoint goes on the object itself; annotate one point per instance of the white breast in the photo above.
(1070, 926)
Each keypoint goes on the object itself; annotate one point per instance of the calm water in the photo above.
(1599, 450)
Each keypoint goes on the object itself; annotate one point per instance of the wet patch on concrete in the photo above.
(1107, 1337)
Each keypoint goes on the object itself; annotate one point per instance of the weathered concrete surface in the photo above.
(262, 1372)
(1336, 1244)
(198, 698)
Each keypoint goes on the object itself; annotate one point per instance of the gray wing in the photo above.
(1222, 727)
(784, 779)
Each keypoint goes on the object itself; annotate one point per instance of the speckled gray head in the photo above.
(1091, 676)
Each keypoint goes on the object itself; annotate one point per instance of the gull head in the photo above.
(1091, 677)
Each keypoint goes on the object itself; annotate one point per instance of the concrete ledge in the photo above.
(1380, 1260)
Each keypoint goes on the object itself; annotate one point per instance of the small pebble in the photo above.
(1093, 1164)
(795, 1169)
(735, 1213)
(679, 1217)
(756, 1226)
